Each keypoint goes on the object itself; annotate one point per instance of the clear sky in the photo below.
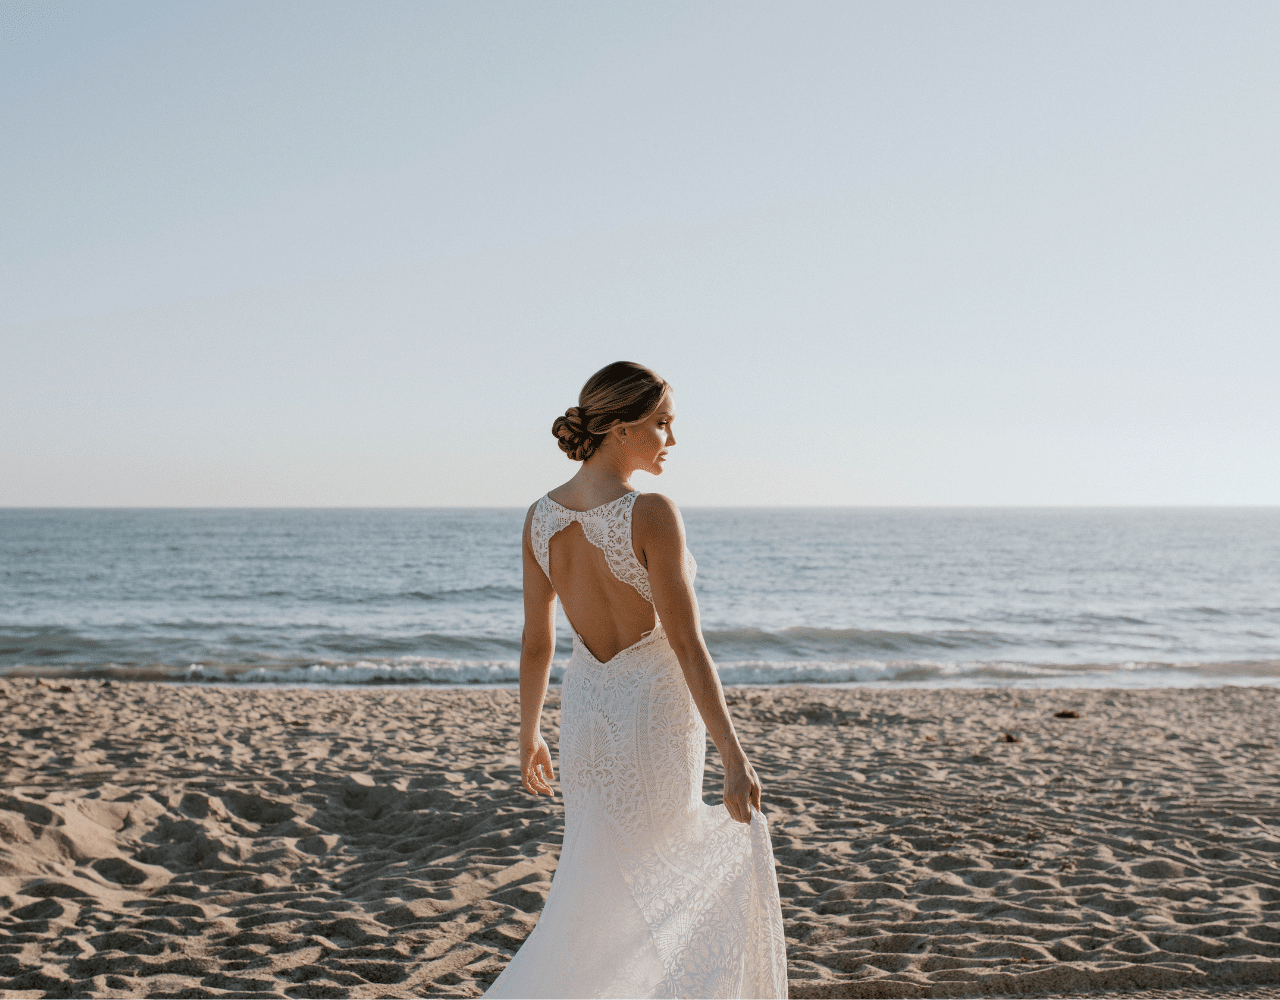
(325, 254)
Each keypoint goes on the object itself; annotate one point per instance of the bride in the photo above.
(656, 894)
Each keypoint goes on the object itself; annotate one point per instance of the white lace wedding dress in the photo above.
(657, 894)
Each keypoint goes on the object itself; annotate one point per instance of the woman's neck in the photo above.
(598, 481)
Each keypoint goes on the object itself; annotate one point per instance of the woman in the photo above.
(657, 894)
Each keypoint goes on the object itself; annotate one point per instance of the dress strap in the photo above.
(611, 534)
(607, 527)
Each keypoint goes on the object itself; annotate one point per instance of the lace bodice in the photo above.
(608, 528)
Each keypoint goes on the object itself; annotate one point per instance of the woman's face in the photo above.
(648, 440)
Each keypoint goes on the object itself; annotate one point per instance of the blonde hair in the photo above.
(620, 393)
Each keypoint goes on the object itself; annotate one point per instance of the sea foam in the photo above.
(916, 673)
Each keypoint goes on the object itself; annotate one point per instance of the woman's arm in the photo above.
(537, 647)
(658, 535)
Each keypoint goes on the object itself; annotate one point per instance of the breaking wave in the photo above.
(453, 673)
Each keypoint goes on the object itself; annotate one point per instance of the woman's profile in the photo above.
(656, 894)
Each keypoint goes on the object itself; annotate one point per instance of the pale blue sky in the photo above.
(362, 254)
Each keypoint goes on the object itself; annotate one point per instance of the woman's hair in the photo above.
(619, 393)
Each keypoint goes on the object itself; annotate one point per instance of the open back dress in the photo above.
(656, 894)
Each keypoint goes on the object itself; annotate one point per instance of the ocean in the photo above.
(1117, 597)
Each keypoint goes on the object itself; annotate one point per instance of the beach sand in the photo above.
(198, 840)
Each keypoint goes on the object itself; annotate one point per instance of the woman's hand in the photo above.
(741, 788)
(535, 766)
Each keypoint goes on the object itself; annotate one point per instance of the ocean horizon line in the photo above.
(692, 506)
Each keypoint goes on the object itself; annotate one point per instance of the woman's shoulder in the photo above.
(655, 504)
(655, 515)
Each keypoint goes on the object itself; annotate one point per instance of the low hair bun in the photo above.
(621, 393)
(572, 435)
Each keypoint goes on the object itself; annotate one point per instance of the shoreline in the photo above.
(361, 841)
(1151, 676)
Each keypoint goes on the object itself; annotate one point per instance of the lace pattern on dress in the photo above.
(607, 527)
(632, 755)
(703, 917)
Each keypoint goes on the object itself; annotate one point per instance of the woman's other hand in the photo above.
(741, 789)
(535, 767)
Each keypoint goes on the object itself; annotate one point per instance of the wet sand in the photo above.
(200, 841)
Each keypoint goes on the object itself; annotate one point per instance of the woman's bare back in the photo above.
(607, 613)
